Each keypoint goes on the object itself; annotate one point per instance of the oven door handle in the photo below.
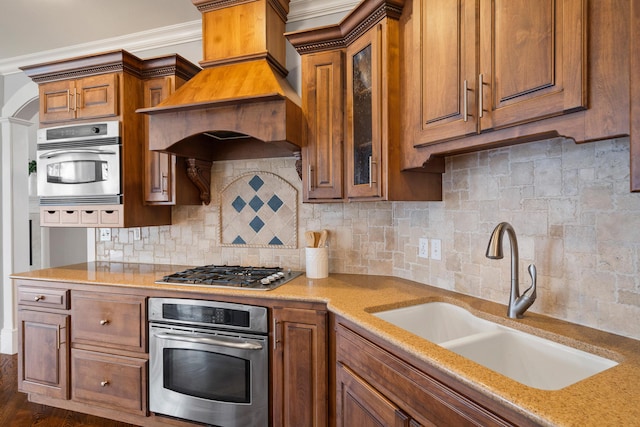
(206, 339)
(52, 154)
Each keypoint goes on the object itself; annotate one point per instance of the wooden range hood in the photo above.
(240, 105)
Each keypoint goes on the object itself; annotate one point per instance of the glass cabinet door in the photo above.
(363, 116)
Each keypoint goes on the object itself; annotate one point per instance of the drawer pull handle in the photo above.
(104, 383)
(104, 322)
(39, 298)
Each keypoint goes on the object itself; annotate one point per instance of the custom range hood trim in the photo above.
(242, 89)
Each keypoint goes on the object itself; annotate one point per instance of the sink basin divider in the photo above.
(471, 338)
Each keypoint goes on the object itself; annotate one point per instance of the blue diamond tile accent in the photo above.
(276, 241)
(258, 209)
(256, 183)
(275, 203)
(257, 224)
(256, 203)
(239, 204)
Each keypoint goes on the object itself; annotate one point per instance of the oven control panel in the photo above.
(204, 314)
(208, 313)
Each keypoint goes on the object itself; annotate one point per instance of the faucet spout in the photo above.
(518, 304)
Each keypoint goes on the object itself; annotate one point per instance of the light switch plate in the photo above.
(423, 248)
(436, 249)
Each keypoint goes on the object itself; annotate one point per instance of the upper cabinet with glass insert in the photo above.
(351, 97)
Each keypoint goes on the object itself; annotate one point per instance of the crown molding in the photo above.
(300, 10)
(144, 40)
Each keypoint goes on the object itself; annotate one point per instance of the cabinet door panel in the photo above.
(44, 356)
(364, 114)
(449, 68)
(56, 101)
(532, 60)
(96, 96)
(158, 177)
(300, 372)
(323, 93)
(359, 404)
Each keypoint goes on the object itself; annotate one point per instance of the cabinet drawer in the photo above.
(69, 217)
(109, 320)
(114, 382)
(49, 216)
(89, 217)
(110, 217)
(43, 297)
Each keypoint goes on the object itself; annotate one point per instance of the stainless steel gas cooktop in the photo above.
(232, 276)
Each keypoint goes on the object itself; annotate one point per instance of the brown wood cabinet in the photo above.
(108, 354)
(160, 166)
(43, 355)
(299, 367)
(83, 347)
(323, 107)
(85, 89)
(84, 98)
(369, 40)
(165, 179)
(374, 386)
(367, 81)
(496, 64)
(549, 69)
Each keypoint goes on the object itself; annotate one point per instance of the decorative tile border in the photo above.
(259, 209)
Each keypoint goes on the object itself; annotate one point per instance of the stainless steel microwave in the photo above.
(80, 164)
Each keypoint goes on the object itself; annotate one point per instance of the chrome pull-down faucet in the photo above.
(518, 304)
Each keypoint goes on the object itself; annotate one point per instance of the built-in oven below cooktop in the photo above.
(232, 276)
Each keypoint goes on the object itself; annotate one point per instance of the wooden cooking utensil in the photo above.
(322, 241)
(310, 237)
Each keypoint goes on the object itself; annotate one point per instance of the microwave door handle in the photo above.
(205, 339)
(52, 154)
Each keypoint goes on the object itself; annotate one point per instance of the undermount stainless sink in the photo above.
(528, 359)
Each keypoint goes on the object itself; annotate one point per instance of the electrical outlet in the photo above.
(436, 249)
(423, 248)
(136, 233)
(105, 234)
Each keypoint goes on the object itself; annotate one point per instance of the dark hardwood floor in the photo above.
(16, 411)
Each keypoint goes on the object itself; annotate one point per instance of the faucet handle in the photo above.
(534, 278)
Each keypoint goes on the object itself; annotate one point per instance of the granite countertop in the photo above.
(608, 398)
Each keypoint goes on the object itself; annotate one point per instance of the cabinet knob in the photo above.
(104, 322)
(38, 298)
(104, 383)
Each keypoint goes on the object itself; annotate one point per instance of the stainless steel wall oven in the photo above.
(208, 362)
(79, 164)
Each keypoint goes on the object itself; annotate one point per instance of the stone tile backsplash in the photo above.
(569, 204)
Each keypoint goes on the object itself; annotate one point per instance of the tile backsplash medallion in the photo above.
(569, 204)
